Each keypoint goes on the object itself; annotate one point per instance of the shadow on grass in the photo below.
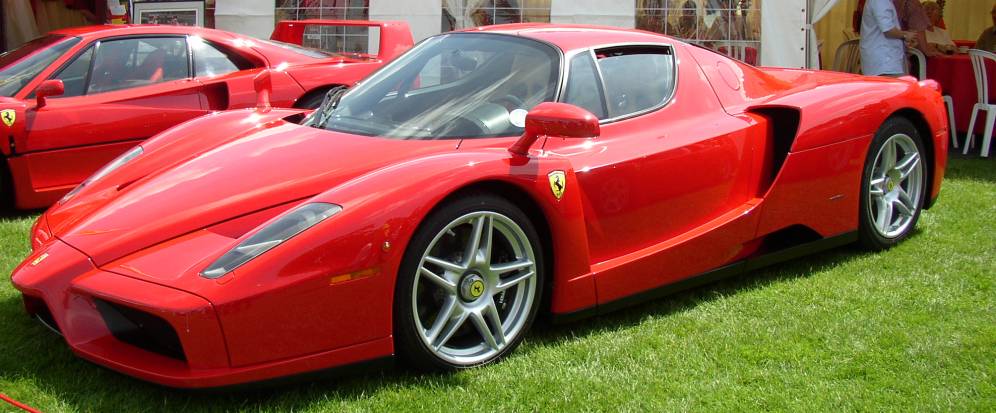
(7, 213)
(971, 167)
(53, 369)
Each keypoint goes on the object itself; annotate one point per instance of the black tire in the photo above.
(878, 235)
(410, 342)
(313, 100)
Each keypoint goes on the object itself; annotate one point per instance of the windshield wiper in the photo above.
(328, 105)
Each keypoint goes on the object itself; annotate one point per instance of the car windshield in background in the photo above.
(313, 53)
(462, 85)
(19, 66)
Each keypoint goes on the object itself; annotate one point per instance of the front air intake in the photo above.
(140, 329)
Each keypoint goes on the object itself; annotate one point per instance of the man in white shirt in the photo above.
(883, 47)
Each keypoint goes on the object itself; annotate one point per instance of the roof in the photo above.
(575, 36)
(132, 29)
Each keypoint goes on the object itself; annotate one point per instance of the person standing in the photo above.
(883, 47)
(987, 40)
(913, 18)
(937, 37)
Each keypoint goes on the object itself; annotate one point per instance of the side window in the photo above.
(636, 78)
(584, 88)
(74, 75)
(211, 60)
(127, 63)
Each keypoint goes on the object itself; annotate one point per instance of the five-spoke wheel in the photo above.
(470, 285)
(893, 185)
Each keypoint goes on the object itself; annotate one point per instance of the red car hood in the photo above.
(225, 180)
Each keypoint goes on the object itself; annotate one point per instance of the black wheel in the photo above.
(469, 286)
(893, 185)
(315, 99)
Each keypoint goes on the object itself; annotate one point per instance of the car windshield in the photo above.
(19, 66)
(313, 53)
(461, 85)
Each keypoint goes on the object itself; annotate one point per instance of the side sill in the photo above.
(337, 372)
(727, 271)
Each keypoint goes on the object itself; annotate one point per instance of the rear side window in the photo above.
(584, 88)
(212, 60)
(636, 78)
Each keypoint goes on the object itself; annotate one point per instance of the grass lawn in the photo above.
(909, 329)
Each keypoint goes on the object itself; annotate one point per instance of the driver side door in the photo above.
(118, 92)
(665, 187)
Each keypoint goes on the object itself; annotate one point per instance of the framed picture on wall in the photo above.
(180, 13)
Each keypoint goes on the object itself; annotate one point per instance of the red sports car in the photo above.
(481, 178)
(77, 98)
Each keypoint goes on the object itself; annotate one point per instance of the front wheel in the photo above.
(893, 185)
(469, 286)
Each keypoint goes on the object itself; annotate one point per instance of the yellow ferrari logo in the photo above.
(8, 116)
(477, 288)
(558, 183)
(40, 257)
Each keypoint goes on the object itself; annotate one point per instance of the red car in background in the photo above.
(77, 98)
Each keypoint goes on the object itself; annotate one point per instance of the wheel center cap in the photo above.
(891, 179)
(472, 287)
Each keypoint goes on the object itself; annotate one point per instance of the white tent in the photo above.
(818, 9)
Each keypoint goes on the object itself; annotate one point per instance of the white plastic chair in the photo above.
(847, 58)
(921, 63)
(951, 120)
(979, 58)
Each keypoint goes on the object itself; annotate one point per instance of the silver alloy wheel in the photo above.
(474, 288)
(895, 186)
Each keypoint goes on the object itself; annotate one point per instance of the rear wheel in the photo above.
(469, 286)
(314, 100)
(893, 185)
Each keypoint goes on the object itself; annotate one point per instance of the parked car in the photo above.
(481, 178)
(77, 98)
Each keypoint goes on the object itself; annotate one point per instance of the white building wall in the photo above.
(249, 17)
(605, 12)
(423, 16)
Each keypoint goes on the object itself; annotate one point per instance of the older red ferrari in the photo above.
(77, 98)
(483, 177)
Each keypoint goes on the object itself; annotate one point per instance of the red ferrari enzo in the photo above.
(481, 178)
(77, 98)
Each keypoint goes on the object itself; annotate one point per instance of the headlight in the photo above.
(102, 172)
(281, 230)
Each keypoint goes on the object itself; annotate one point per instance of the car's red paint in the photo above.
(53, 147)
(654, 199)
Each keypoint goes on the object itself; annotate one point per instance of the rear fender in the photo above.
(840, 111)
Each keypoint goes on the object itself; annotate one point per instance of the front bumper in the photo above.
(146, 330)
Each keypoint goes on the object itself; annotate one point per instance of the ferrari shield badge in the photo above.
(40, 258)
(8, 116)
(558, 183)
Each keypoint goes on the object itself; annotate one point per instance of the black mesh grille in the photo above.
(141, 329)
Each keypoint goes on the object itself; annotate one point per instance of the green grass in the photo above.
(909, 329)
